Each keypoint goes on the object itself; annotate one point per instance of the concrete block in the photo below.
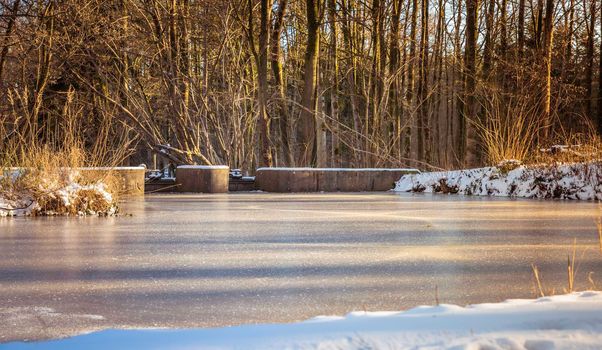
(202, 178)
(327, 179)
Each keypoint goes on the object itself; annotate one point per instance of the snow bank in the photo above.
(566, 181)
(572, 321)
(60, 194)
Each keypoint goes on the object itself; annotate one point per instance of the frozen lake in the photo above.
(216, 260)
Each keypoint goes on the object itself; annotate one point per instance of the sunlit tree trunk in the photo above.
(548, 41)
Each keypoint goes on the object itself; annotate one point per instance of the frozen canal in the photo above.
(215, 260)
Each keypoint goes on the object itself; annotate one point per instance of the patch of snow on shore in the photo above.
(566, 181)
(572, 321)
(72, 198)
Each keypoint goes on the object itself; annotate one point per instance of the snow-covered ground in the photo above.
(572, 321)
(566, 181)
(72, 198)
(52, 196)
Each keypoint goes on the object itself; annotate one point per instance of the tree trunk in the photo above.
(548, 41)
(521, 27)
(307, 128)
(377, 78)
(458, 126)
(276, 64)
(410, 92)
(539, 25)
(489, 41)
(6, 40)
(589, 60)
(334, 85)
(423, 119)
(394, 109)
(503, 31)
(262, 91)
(569, 47)
(600, 82)
(471, 115)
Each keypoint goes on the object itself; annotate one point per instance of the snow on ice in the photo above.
(572, 321)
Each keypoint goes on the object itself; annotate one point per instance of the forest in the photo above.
(433, 84)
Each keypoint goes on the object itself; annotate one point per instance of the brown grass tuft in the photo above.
(36, 168)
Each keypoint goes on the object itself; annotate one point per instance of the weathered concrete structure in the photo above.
(246, 183)
(160, 186)
(128, 181)
(328, 179)
(202, 178)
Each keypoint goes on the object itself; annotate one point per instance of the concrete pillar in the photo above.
(202, 178)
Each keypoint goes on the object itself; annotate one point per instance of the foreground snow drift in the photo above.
(571, 321)
(568, 181)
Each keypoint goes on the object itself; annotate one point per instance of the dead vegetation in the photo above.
(572, 268)
(48, 182)
(41, 172)
(325, 83)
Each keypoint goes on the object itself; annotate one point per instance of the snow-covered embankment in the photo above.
(24, 194)
(566, 181)
(570, 321)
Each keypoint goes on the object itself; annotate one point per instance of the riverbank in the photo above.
(54, 192)
(581, 181)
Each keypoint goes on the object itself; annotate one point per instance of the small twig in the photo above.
(538, 280)
(163, 188)
(599, 224)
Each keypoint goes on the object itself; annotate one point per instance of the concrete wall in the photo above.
(327, 179)
(202, 179)
(128, 181)
(160, 186)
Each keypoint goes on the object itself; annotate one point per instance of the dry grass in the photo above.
(47, 178)
(571, 269)
(541, 292)
(510, 129)
(571, 272)
(577, 148)
(43, 168)
(572, 265)
(599, 225)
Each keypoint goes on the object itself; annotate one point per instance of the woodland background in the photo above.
(328, 83)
